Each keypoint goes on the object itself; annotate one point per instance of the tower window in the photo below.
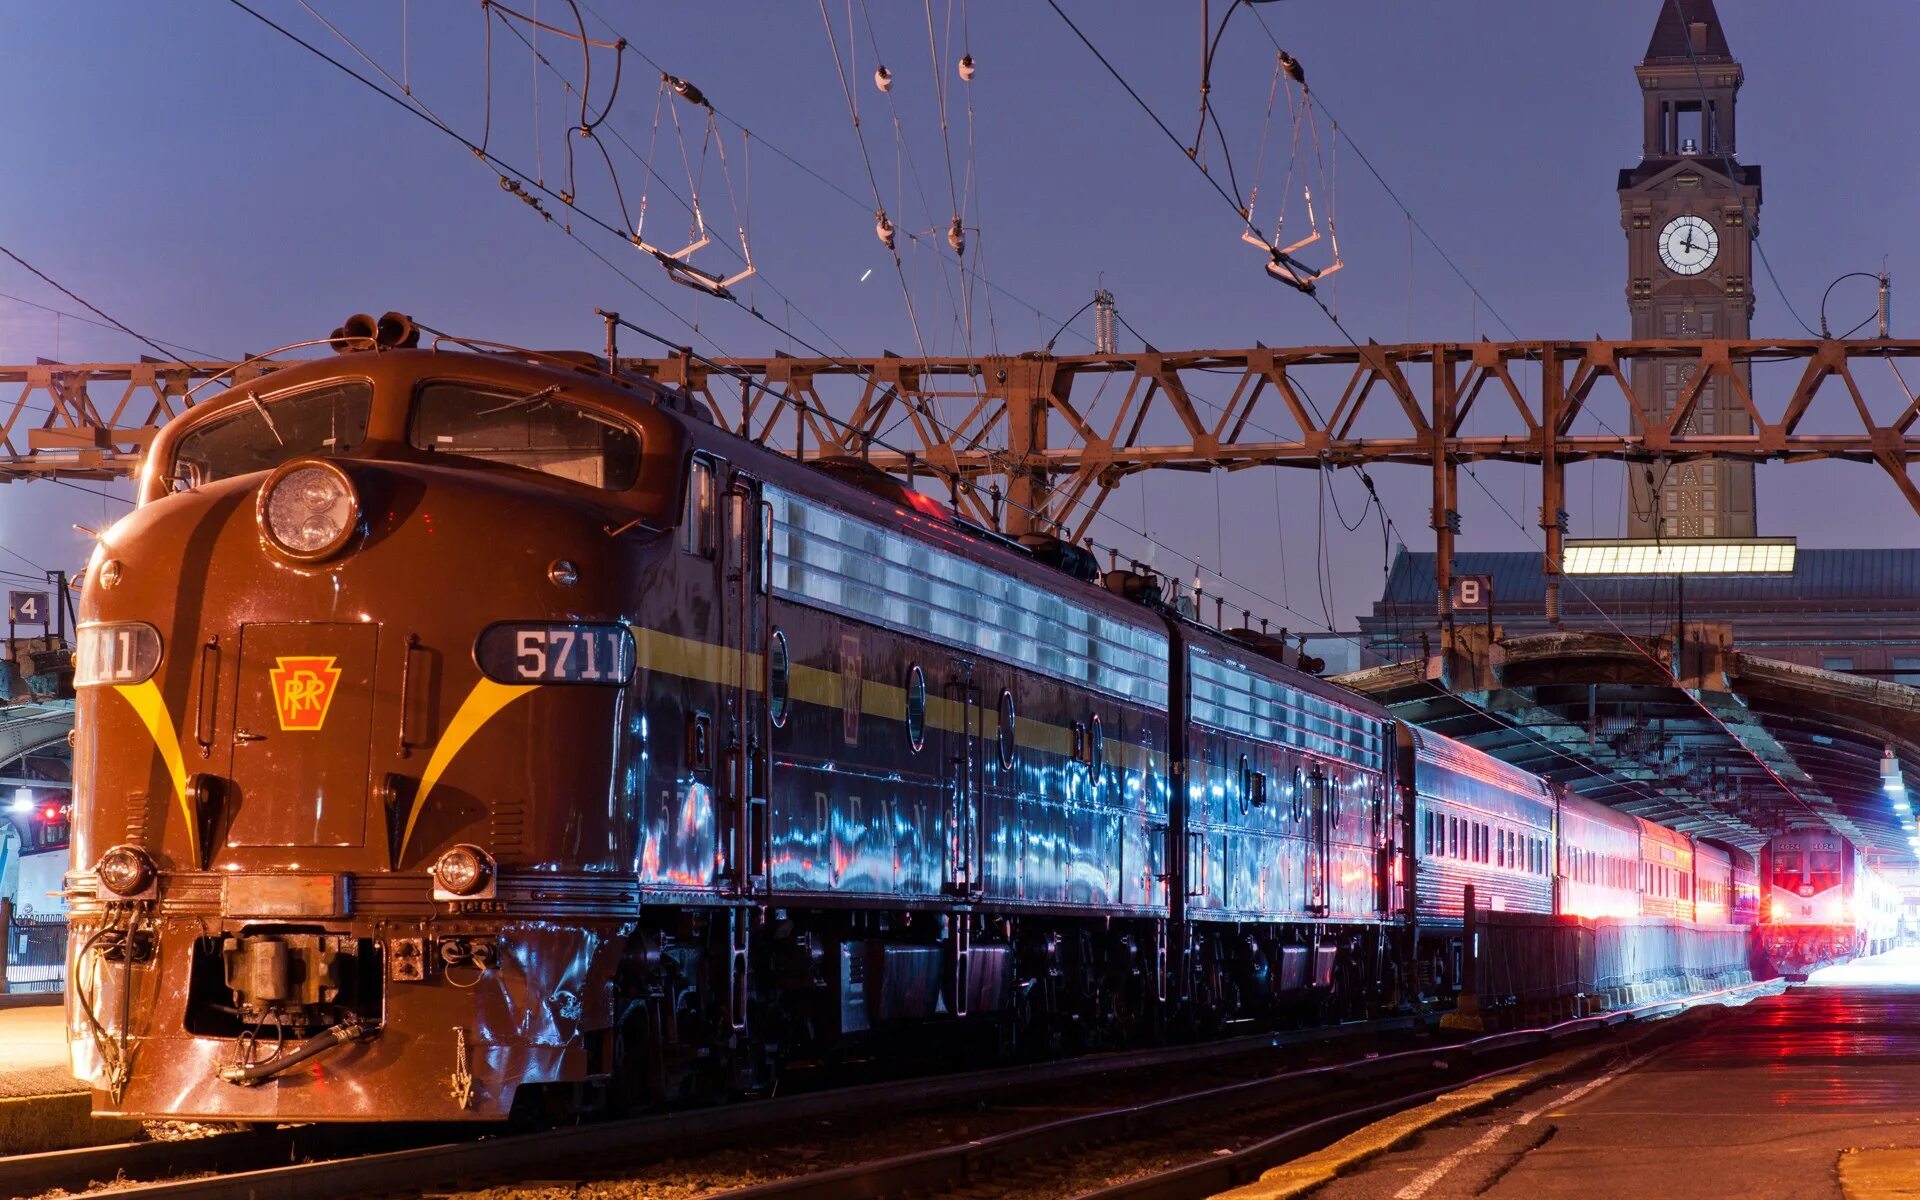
(1686, 128)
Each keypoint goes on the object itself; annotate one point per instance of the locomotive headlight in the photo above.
(308, 509)
(464, 871)
(125, 871)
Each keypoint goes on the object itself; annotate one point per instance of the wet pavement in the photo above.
(1762, 1103)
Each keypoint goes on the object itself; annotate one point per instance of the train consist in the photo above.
(463, 732)
(1823, 904)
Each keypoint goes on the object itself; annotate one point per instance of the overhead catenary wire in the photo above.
(56, 285)
(509, 171)
(86, 320)
(914, 237)
(848, 92)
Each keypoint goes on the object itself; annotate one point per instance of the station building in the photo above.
(1840, 610)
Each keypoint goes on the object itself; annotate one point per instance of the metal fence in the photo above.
(1544, 962)
(33, 949)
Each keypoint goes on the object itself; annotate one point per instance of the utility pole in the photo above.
(59, 581)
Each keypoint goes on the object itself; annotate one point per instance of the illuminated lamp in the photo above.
(1668, 556)
(308, 510)
(22, 801)
(464, 872)
(926, 505)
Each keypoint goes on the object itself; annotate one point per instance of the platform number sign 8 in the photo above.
(27, 608)
(1472, 593)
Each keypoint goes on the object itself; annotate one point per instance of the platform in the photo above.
(1767, 1101)
(33, 1052)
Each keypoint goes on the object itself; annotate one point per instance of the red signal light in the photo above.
(50, 813)
(927, 506)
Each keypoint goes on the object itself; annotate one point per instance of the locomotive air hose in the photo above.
(247, 1074)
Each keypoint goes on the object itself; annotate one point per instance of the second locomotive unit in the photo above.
(462, 732)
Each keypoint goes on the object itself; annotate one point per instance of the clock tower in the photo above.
(1691, 212)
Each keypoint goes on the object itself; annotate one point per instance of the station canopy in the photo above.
(1680, 728)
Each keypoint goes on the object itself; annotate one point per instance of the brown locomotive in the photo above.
(467, 731)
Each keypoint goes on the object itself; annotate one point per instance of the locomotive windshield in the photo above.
(326, 420)
(535, 432)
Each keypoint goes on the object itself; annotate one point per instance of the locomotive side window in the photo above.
(1006, 737)
(917, 708)
(701, 508)
(538, 431)
(779, 673)
(324, 421)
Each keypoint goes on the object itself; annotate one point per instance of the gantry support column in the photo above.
(1553, 483)
(1446, 388)
(1029, 390)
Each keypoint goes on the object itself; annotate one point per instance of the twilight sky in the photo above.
(213, 185)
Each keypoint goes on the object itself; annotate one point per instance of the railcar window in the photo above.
(1006, 731)
(779, 673)
(538, 431)
(917, 708)
(701, 506)
(325, 421)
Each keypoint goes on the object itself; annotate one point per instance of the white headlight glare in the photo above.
(308, 509)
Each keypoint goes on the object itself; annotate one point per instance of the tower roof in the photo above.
(1673, 35)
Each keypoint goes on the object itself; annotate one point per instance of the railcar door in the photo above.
(746, 547)
(963, 803)
(1319, 822)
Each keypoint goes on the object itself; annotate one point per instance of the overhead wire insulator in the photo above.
(883, 228)
(883, 78)
(687, 91)
(957, 236)
(1294, 70)
(967, 68)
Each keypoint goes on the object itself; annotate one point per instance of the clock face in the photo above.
(1688, 245)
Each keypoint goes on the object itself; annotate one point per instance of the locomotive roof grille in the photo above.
(1228, 696)
(830, 559)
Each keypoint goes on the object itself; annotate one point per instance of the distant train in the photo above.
(1824, 904)
(463, 732)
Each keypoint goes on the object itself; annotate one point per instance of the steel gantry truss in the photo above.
(1038, 442)
(1000, 418)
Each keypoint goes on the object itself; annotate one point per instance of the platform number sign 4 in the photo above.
(1473, 593)
(27, 608)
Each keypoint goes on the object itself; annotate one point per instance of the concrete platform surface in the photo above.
(1764, 1102)
(33, 1052)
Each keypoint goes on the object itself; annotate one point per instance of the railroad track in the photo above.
(328, 1162)
(1199, 1142)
